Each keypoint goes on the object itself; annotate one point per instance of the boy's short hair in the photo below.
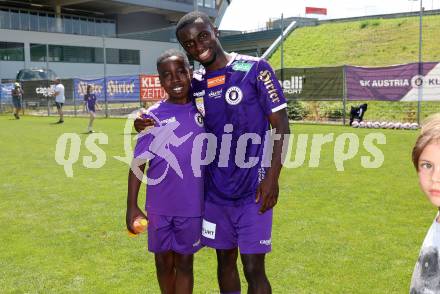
(190, 17)
(169, 53)
(429, 133)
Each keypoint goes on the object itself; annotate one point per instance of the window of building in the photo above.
(122, 56)
(75, 54)
(84, 26)
(42, 22)
(38, 52)
(109, 28)
(10, 51)
(99, 30)
(68, 24)
(55, 53)
(20, 19)
(51, 23)
(112, 55)
(24, 20)
(4, 19)
(76, 26)
(33, 21)
(15, 19)
(91, 26)
(129, 56)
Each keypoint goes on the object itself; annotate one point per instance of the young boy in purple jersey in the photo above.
(174, 193)
(90, 104)
(237, 95)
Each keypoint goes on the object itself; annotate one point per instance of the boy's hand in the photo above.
(132, 214)
(141, 123)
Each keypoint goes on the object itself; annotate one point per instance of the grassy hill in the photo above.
(371, 42)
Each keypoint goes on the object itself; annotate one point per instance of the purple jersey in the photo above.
(242, 94)
(91, 101)
(172, 187)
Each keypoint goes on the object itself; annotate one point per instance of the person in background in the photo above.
(90, 105)
(59, 98)
(17, 96)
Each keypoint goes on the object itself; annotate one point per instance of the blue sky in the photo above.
(252, 14)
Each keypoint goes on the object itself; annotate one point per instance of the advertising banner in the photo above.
(119, 88)
(151, 89)
(123, 88)
(320, 83)
(5, 93)
(394, 83)
(43, 89)
(80, 86)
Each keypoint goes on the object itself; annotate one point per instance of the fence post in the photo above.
(420, 90)
(74, 99)
(105, 77)
(1, 94)
(344, 94)
(282, 47)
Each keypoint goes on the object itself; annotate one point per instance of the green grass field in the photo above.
(374, 42)
(356, 231)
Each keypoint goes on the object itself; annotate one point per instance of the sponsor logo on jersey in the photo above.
(216, 81)
(199, 94)
(265, 76)
(208, 229)
(200, 105)
(233, 95)
(198, 119)
(215, 94)
(197, 243)
(242, 66)
(266, 242)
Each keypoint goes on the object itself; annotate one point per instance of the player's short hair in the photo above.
(172, 52)
(190, 17)
(429, 133)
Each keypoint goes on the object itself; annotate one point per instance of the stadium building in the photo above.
(92, 38)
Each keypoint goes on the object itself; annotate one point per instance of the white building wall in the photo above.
(149, 50)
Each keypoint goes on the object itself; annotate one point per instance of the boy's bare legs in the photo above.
(184, 273)
(165, 271)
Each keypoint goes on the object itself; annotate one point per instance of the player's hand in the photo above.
(141, 123)
(267, 193)
(133, 213)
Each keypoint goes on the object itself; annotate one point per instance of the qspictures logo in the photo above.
(206, 147)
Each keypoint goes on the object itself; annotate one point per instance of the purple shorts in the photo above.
(227, 227)
(174, 233)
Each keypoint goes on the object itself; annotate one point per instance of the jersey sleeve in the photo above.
(270, 93)
(143, 144)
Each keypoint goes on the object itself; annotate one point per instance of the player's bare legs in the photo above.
(165, 271)
(92, 118)
(227, 272)
(184, 273)
(254, 271)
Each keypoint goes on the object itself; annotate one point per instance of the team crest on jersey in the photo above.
(200, 105)
(198, 119)
(233, 95)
